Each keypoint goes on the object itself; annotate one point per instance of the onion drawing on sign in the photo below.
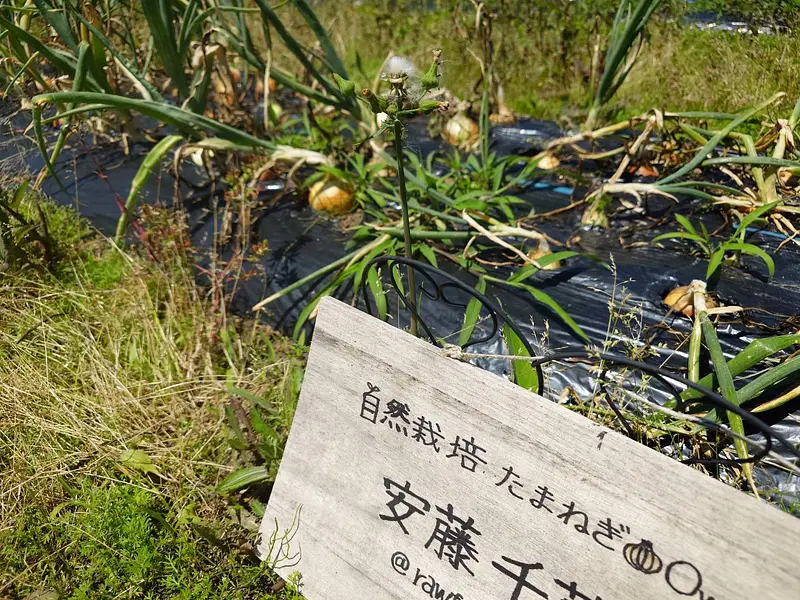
(642, 557)
(685, 579)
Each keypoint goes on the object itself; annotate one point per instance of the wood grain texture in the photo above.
(336, 464)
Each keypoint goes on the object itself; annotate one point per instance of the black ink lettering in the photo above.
(396, 414)
(571, 512)
(438, 592)
(370, 403)
(424, 432)
(468, 451)
(427, 586)
(402, 498)
(545, 496)
(521, 578)
(433, 588)
(642, 557)
(574, 594)
(455, 543)
(509, 474)
(607, 530)
(685, 570)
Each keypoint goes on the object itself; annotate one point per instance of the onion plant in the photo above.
(321, 68)
(717, 253)
(449, 215)
(759, 393)
(722, 149)
(624, 43)
(105, 64)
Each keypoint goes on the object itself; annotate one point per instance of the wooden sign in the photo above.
(410, 475)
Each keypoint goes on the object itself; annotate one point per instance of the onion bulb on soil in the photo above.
(541, 250)
(461, 131)
(680, 300)
(330, 196)
(548, 162)
(504, 115)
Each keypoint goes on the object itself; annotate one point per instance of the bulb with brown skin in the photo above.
(330, 196)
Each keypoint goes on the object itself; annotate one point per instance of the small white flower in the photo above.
(398, 66)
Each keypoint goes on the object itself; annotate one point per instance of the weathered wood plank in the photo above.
(344, 469)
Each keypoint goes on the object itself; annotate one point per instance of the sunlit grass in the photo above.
(113, 427)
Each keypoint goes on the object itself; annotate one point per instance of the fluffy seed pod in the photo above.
(326, 195)
(642, 557)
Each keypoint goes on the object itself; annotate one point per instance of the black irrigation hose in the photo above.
(439, 294)
(663, 376)
(713, 398)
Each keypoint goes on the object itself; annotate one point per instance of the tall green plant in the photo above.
(624, 42)
(172, 26)
(402, 101)
(320, 68)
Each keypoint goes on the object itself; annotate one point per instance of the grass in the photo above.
(547, 73)
(113, 427)
(687, 69)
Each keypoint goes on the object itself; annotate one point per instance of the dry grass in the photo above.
(686, 69)
(89, 373)
(112, 354)
(545, 68)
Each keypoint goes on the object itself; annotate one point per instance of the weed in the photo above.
(625, 40)
(717, 253)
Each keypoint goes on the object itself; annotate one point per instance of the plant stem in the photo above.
(307, 279)
(591, 119)
(728, 390)
(697, 289)
(425, 234)
(411, 296)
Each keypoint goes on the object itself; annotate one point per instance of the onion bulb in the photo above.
(326, 195)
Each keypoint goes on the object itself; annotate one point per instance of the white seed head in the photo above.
(398, 66)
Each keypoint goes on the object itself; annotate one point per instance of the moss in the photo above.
(106, 541)
(107, 270)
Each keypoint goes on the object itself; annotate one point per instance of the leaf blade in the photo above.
(243, 478)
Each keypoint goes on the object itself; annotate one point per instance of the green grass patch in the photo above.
(543, 57)
(114, 428)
